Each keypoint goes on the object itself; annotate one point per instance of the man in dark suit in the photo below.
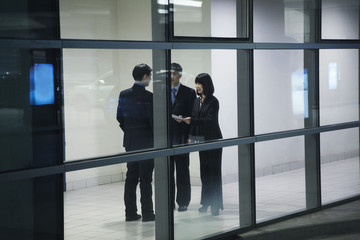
(135, 116)
(182, 102)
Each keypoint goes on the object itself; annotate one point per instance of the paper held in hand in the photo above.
(176, 117)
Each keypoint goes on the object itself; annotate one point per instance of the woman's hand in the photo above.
(187, 120)
(179, 120)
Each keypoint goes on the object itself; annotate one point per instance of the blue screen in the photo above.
(42, 84)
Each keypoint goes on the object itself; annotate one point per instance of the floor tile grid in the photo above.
(98, 212)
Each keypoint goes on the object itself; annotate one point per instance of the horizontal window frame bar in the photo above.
(213, 145)
(16, 43)
(124, 158)
(31, 173)
(307, 131)
(157, 153)
(106, 44)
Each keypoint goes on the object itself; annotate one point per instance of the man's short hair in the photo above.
(140, 70)
(176, 67)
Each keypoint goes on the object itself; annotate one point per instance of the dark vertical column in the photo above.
(246, 128)
(312, 142)
(311, 25)
(163, 206)
(48, 150)
(243, 20)
(32, 208)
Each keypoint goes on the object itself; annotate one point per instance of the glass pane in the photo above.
(214, 184)
(29, 19)
(340, 19)
(93, 80)
(30, 126)
(94, 206)
(285, 21)
(110, 20)
(32, 208)
(216, 18)
(280, 89)
(339, 85)
(340, 173)
(221, 66)
(280, 177)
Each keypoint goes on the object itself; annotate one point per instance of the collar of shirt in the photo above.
(177, 88)
(139, 83)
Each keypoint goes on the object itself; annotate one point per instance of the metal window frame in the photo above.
(173, 43)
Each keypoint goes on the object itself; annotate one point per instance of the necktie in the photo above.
(173, 93)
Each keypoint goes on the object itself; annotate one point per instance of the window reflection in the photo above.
(339, 77)
(194, 224)
(340, 19)
(29, 106)
(282, 21)
(216, 18)
(29, 19)
(42, 84)
(339, 164)
(280, 89)
(221, 66)
(93, 79)
(98, 19)
(280, 177)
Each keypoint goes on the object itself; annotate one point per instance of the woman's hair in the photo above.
(205, 80)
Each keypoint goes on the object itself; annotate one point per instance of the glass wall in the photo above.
(29, 19)
(208, 18)
(64, 63)
(197, 224)
(98, 210)
(339, 85)
(283, 21)
(32, 208)
(93, 79)
(30, 108)
(340, 173)
(280, 90)
(221, 66)
(106, 20)
(340, 19)
(280, 177)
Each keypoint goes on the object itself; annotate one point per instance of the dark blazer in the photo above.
(205, 120)
(182, 105)
(135, 116)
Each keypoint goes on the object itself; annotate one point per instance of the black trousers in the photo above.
(140, 171)
(183, 186)
(210, 175)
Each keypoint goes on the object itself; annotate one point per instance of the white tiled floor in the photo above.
(98, 212)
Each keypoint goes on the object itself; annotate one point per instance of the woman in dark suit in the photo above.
(205, 126)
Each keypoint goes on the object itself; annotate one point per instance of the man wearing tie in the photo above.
(182, 98)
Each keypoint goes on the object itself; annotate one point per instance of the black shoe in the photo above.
(133, 218)
(182, 208)
(203, 209)
(148, 218)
